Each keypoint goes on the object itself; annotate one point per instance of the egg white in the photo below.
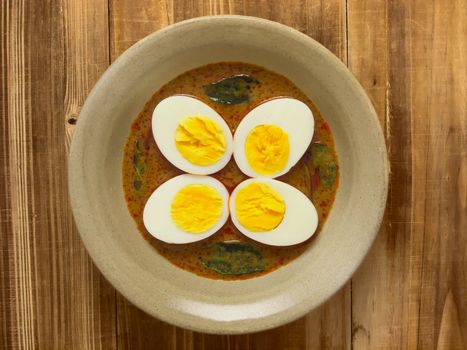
(157, 217)
(300, 219)
(165, 119)
(291, 115)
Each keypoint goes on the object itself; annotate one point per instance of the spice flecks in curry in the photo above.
(145, 168)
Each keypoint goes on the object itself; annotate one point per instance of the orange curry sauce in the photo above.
(157, 169)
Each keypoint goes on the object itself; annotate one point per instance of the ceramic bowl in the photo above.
(135, 268)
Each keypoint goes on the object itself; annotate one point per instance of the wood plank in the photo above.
(369, 62)
(411, 58)
(52, 297)
(438, 35)
(327, 327)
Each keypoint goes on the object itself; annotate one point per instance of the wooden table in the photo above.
(410, 56)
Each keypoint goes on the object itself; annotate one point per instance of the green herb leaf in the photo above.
(234, 259)
(328, 173)
(232, 90)
(320, 154)
(138, 165)
(322, 159)
(137, 184)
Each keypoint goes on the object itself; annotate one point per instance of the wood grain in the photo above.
(411, 290)
(52, 297)
(410, 56)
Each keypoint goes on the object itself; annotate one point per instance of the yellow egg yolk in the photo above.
(267, 149)
(196, 208)
(200, 140)
(259, 207)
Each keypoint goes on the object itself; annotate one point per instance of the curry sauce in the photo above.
(145, 168)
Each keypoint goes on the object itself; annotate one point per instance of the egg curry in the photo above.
(219, 186)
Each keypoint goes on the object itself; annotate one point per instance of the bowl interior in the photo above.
(135, 268)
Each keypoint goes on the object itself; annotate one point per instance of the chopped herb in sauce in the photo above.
(234, 259)
(232, 90)
(323, 160)
(138, 165)
(328, 173)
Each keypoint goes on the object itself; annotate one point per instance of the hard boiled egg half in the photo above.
(273, 137)
(272, 212)
(186, 209)
(191, 135)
